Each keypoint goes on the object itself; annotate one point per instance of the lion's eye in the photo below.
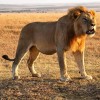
(85, 20)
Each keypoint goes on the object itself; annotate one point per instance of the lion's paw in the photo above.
(36, 75)
(65, 79)
(88, 77)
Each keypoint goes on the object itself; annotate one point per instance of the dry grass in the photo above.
(48, 87)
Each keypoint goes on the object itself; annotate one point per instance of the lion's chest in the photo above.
(77, 44)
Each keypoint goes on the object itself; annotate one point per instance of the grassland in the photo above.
(48, 87)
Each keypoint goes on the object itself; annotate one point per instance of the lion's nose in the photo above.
(92, 24)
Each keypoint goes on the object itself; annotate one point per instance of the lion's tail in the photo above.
(7, 58)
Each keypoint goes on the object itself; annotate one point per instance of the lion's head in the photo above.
(84, 20)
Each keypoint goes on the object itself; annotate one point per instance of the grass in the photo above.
(48, 87)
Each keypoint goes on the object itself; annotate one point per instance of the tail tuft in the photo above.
(5, 57)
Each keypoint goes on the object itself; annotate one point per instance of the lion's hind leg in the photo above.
(21, 50)
(32, 56)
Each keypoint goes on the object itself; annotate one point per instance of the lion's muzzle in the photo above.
(91, 31)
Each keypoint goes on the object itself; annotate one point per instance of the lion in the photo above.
(68, 33)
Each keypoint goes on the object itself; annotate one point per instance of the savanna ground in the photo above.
(48, 87)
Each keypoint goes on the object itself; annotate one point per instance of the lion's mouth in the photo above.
(92, 31)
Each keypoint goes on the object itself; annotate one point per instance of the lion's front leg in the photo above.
(79, 58)
(62, 64)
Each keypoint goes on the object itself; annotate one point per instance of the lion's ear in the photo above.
(76, 14)
(92, 12)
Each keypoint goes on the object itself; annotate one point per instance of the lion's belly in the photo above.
(46, 48)
(46, 45)
(48, 52)
(44, 37)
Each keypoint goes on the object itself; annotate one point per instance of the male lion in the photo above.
(68, 33)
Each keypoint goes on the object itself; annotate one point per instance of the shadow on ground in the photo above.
(49, 89)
